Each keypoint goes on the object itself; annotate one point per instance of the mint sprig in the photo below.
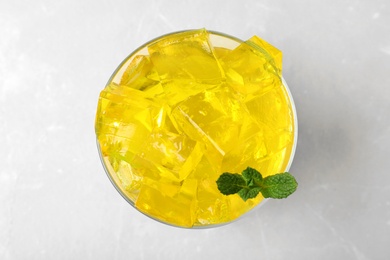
(250, 183)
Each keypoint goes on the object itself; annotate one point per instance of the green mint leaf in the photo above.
(251, 183)
(278, 186)
(252, 176)
(249, 192)
(230, 183)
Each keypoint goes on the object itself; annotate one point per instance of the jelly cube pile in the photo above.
(173, 120)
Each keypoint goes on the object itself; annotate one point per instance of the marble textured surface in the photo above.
(56, 201)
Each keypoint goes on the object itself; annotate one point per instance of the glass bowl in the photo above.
(121, 182)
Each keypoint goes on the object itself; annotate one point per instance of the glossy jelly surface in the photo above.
(185, 108)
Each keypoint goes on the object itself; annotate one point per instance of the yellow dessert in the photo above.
(180, 112)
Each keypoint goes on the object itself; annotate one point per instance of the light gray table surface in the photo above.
(56, 201)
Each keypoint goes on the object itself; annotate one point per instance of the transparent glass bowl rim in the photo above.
(295, 119)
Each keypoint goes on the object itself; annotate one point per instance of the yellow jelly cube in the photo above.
(140, 74)
(186, 55)
(154, 202)
(213, 207)
(176, 155)
(221, 52)
(269, 49)
(248, 70)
